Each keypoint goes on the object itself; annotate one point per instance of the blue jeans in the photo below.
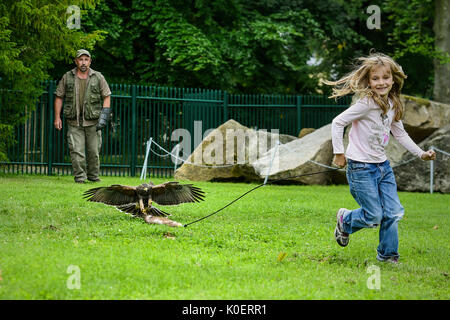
(373, 186)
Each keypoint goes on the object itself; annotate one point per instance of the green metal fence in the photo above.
(144, 112)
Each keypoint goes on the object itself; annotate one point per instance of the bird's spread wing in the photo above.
(172, 193)
(113, 195)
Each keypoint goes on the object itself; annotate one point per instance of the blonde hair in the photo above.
(357, 82)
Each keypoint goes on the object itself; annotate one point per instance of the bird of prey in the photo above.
(138, 200)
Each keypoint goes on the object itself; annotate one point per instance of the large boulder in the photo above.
(296, 158)
(422, 117)
(415, 175)
(226, 154)
(395, 151)
(303, 132)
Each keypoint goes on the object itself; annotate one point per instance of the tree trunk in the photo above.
(441, 91)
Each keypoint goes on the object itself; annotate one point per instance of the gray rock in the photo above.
(226, 154)
(415, 175)
(294, 158)
(422, 117)
(303, 132)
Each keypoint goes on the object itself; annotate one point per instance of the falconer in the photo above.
(87, 100)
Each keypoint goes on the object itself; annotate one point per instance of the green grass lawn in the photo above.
(46, 226)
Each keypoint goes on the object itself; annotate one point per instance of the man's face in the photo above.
(83, 63)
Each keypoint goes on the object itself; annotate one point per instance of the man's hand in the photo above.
(339, 160)
(104, 118)
(57, 123)
(58, 106)
(429, 155)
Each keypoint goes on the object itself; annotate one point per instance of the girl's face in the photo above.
(380, 80)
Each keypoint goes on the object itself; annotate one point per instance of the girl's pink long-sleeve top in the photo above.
(369, 134)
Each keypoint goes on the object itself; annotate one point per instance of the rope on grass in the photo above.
(253, 189)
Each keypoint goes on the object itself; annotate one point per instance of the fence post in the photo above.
(133, 130)
(177, 152)
(51, 101)
(275, 150)
(225, 106)
(144, 167)
(299, 114)
(431, 173)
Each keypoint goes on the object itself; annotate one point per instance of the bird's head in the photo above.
(144, 189)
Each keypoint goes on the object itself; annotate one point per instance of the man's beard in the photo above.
(82, 68)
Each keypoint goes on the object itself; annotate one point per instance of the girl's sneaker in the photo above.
(341, 237)
(393, 260)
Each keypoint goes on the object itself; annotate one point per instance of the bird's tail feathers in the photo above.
(158, 212)
(134, 210)
(130, 208)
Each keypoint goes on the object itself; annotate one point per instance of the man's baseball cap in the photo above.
(81, 52)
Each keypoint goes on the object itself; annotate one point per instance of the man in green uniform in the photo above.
(87, 99)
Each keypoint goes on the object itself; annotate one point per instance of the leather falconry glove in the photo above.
(105, 116)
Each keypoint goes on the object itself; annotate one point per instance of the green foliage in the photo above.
(413, 28)
(240, 46)
(5, 131)
(413, 42)
(33, 34)
(254, 46)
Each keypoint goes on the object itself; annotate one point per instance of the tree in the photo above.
(243, 46)
(414, 43)
(33, 34)
(265, 46)
(441, 88)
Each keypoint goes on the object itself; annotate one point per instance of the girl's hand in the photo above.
(429, 155)
(339, 160)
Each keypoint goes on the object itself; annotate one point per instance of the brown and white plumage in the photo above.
(138, 200)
